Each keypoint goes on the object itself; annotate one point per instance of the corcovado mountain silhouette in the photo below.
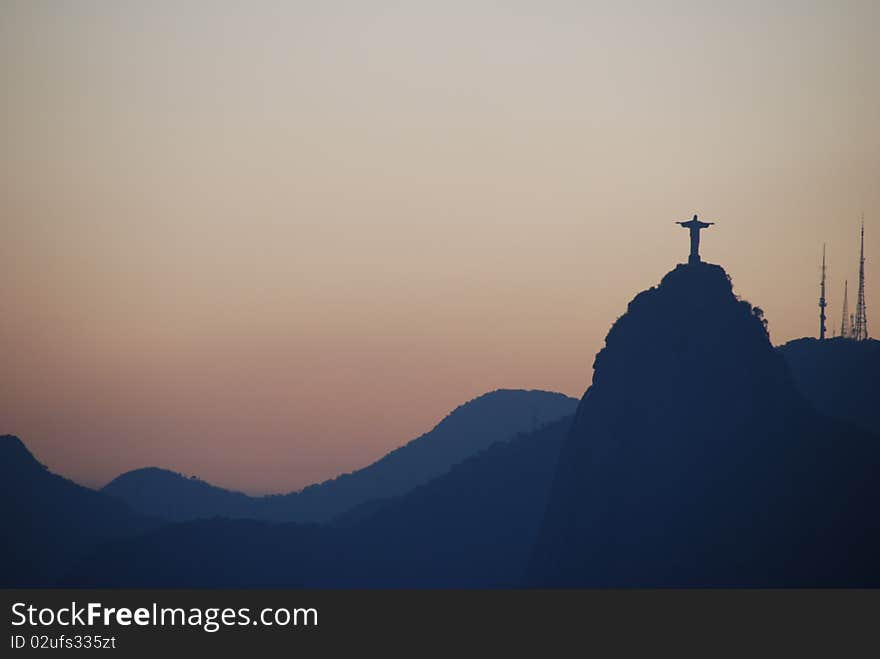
(693, 460)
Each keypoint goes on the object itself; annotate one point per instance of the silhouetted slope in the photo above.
(840, 377)
(693, 461)
(470, 428)
(49, 521)
(471, 527)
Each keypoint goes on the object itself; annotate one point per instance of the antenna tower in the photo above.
(860, 326)
(845, 328)
(822, 303)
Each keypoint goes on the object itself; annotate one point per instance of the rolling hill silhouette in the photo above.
(521, 475)
(470, 428)
(474, 526)
(839, 377)
(693, 460)
(49, 521)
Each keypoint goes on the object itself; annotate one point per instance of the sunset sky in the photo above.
(267, 242)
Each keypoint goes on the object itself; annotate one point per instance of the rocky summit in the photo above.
(694, 461)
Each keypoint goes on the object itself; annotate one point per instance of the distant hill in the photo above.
(840, 377)
(470, 428)
(474, 526)
(49, 521)
(172, 496)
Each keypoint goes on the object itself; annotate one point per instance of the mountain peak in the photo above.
(15, 455)
(693, 459)
(688, 336)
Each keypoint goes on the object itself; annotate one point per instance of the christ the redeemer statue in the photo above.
(695, 226)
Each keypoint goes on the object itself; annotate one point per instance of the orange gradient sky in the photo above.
(267, 242)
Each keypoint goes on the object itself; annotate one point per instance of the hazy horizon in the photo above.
(265, 243)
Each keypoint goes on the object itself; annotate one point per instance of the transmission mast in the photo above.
(844, 321)
(860, 326)
(822, 303)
